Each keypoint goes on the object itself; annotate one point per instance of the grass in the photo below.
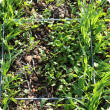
(68, 66)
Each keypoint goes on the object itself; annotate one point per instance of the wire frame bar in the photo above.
(92, 54)
(2, 61)
(47, 19)
(46, 98)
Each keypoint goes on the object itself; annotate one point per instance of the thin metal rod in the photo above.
(92, 54)
(46, 19)
(46, 98)
(109, 18)
(2, 62)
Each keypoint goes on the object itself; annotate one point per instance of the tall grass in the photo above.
(94, 13)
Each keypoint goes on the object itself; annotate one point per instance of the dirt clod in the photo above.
(38, 57)
(28, 59)
(33, 90)
(35, 78)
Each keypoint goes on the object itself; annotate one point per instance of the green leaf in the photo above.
(72, 107)
(58, 75)
(78, 90)
(57, 93)
(99, 29)
(57, 43)
(63, 81)
(18, 52)
(73, 10)
(59, 105)
(70, 77)
(5, 100)
(85, 58)
(59, 36)
(60, 87)
(13, 99)
(35, 26)
(81, 83)
(3, 2)
(70, 70)
(59, 58)
(76, 69)
(70, 57)
(97, 92)
(26, 91)
(71, 101)
(66, 107)
(48, 104)
(66, 38)
(42, 102)
(59, 100)
(96, 64)
(66, 47)
(74, 75)
(106, 97)
(53, 84)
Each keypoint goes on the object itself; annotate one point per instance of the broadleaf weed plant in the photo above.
(67, 66)
(71, 59)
